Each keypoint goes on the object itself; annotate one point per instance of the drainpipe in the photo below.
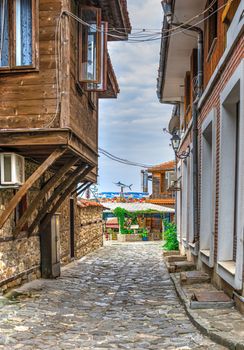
(195, 113)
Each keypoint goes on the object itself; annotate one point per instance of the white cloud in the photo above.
(132, 126)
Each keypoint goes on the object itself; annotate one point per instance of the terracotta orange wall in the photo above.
(211, 60)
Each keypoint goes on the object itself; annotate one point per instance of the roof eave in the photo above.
(165, 40)
(116, 13)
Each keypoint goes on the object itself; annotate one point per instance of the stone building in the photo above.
(51, 79)
(203, 65)
(89, 227)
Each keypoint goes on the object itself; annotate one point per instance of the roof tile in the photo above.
(163, 166)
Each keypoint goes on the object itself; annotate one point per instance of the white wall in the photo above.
(190, 198)
(232, 93)
(178, 202)
(184, 199)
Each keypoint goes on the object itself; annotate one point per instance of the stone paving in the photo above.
(120, 297)
(225, 325)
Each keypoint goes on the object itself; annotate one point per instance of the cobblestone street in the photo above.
(120, 297)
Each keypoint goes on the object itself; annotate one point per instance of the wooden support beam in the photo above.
(41, 195)
(87, 185)
(78, 188)
(28, 183)
(75, 180)
(53, 197)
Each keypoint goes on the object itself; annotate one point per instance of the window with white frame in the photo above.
(231, 182)
(17, 34)
(92, 49)
(229, 175)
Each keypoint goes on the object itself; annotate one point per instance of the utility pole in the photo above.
(121, 192)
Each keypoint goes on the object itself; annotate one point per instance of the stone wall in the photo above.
(64, 211)
(20, 256)
(19, 261)
(88, 229)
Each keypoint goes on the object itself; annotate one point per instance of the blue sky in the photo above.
(131, 127)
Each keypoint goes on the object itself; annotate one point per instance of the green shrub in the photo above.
(143, 232)
(170, 235)
(120, 213)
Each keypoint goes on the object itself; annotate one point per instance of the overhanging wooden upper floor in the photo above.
(41, 104)
(37, 145)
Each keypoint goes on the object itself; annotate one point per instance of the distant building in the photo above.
(163, 177)
(149, 215)
(127, 196)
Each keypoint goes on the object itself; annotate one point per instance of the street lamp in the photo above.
(175, 142)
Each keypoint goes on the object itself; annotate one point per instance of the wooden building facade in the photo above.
(163, 178)
(54, 68)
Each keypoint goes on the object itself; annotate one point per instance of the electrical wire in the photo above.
(131, 164)
(171, 29)
(174, 30)
(121, 160)
(154, 37)
(192, 26)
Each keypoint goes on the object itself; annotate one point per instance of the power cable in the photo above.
(58, 40)
(117, 158)
(125, 160)
(171, 29)
(175, 31)
(134, 40)
(118, 161)
(121, 160)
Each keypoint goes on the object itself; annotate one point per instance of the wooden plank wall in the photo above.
(156, 184)
(28, 99)
(211, 61)
(83, 106)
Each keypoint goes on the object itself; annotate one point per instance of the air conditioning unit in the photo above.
(12, 170)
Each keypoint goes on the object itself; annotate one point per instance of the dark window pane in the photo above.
(213, 24)
(23, 32)
(90, 40)
(4, 36)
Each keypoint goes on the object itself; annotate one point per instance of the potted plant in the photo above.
(144, 235)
